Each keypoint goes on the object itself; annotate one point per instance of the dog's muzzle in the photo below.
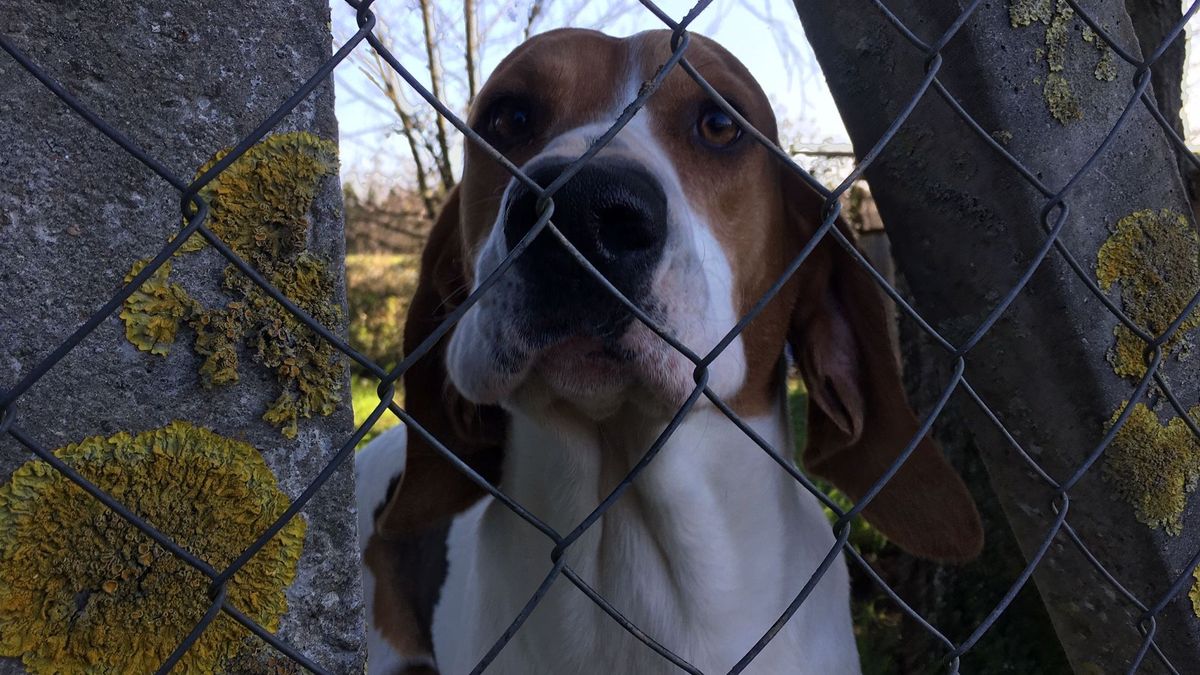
(615, 214)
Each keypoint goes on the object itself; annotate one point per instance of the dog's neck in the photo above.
(703, 550)
(710, 526)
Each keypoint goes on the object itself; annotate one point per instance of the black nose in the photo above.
(614, 213)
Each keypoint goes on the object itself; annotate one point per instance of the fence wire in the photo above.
(1055, 215)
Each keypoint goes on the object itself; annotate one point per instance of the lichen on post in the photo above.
(1154, 258)
(85, 591)
(258, 206)
(77, 214)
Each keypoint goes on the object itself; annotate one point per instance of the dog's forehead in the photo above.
(593, 73)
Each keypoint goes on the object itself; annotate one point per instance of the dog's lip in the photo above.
(588, 348)
(584, 358)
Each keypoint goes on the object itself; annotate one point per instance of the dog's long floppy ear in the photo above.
(859, 420)
(431, 490)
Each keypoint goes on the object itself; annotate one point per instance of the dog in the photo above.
(550, 388)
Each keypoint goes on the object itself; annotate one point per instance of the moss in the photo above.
(1154, 466)
(83, 591)
(259, 207)
(1155, 257)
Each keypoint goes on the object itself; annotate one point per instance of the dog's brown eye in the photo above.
(717, 128)
(509, 120)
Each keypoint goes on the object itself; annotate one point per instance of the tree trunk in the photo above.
(965, 225)
(1153, 21)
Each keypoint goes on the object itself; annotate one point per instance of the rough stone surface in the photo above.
(183, 79)
(964, 225)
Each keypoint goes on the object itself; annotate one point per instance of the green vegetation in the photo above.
(365, 397)
(378, 290)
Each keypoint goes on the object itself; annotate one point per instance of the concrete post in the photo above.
(964, 225)
(200, 377)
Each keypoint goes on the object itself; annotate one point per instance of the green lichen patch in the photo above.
(1062, 101)
(1058, 19)
(1155, 257)
(83, 591)
(1154, 466)
(1057, 35)
(259, 207)
(1024, 13)
(1106, 67)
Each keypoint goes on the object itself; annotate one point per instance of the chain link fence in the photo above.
(1055, 218)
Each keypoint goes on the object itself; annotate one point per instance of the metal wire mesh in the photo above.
(1054, 218)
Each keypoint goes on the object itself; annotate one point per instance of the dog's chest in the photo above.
(702, 567)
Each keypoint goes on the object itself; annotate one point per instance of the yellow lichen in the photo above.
(1155, 257)
(255, 657)
(152, 314)
(1024, 13)
(1058, 17)
(1063, 103)
(1057, 34)
(83, 591)
(1154, 466)
(259, 204)
(1194, 594)
(1106, 67)
(259, 207)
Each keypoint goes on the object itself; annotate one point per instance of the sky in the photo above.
(765, 34)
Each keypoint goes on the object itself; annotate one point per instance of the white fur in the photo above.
(375, 467)
(703, 553)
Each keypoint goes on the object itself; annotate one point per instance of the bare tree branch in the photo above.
(441, 159)
(469, 51)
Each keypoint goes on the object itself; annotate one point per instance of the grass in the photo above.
(364, 396)
(379, 288)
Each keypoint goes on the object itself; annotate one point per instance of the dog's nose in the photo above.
(614, 213)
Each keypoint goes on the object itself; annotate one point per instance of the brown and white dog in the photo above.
(549, 387)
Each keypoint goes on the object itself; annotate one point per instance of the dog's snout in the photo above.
(613, 213)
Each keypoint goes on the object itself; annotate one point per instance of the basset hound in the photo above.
(551, 389)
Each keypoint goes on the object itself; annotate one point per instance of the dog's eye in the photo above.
(509, 120)
(717, 129)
